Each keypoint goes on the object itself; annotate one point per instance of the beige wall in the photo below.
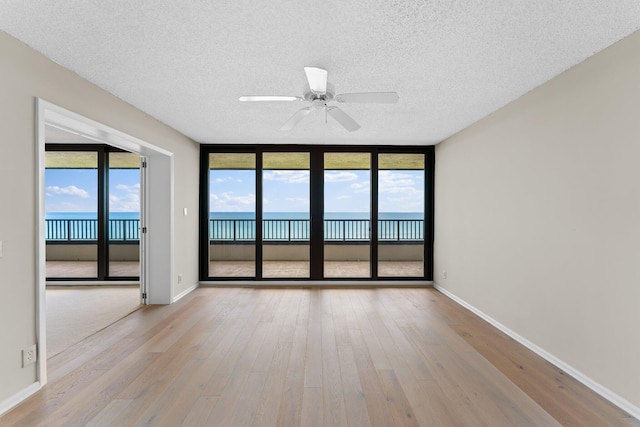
(25, 75)
(537, 218)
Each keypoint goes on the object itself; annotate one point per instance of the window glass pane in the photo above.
(232, 214)
(401, 215)
(124, 215)
(71, 218)
(286, 217)
(347, 215)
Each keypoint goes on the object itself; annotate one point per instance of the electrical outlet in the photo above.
(179, 278)
(444, 274)
(29, 356)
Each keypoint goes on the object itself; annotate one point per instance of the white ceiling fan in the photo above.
(319, 93)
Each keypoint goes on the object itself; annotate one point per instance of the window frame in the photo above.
(317, 207)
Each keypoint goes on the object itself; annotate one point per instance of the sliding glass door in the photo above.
(124, 215)
(231, 216)
(92, 202)
(316, 212)
(401, 215)
(286, 215)
(71, 205)
(347, 215)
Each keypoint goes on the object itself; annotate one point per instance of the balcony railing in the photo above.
(86, 230)
(297, 230)
(239, 230)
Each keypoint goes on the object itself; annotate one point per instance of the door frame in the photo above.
(157, 260)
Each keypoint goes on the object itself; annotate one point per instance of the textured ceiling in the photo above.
(452, 62)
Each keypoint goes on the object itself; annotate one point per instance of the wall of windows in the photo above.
(316, 212)
(92, 219)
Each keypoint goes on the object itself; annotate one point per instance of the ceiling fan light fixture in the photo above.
(319, 93)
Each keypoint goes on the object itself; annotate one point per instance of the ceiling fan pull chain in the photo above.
(325, 114)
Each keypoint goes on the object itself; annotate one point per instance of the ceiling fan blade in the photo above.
(372, 97)
(317, 78)
(343, 118)
(269, 98)
(296, 118)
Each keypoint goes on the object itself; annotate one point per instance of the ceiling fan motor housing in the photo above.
(310, 95)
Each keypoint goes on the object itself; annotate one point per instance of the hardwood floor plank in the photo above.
(295, 356)
(312, 404)
(399, 406)
(197, 415)
(271, 399)
(374, 397)
(249, 399)
(109, 413)
(269, 403)
(354, 397)
(237, 342)
(363, 309)
(313, 365)
(333, 397)
(290, 410)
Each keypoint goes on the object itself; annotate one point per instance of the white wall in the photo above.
(537, 217)
(25, 75)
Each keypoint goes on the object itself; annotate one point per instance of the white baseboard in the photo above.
(8, 404)
(185, 292)
(612, 397)
(326, 283)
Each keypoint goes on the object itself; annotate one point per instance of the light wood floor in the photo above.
(288, 357)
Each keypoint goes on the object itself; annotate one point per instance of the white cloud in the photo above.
(128, 203)
(298, 201)
(228, 179)
(70, 207)
(228, 202)
(360, 187)
(397, 183)
(135, 188)
(70, 190)
(344, 196)
(339, 176)
(291, 177)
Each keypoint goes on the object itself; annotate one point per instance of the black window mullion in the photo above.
(373, 234)
(204, 214)
(429, 174)
(103, 214)
(259, 215)
(316, 207)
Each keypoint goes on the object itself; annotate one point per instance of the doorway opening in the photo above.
(92, 226)
(108, 236)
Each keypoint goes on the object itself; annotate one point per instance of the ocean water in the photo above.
(239, 226)
(245, 215)
(91, 215)
(305, 215)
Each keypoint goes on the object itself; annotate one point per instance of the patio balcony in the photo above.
(72, 248)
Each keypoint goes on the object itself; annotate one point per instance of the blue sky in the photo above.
(288, 191)
(75, 190)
